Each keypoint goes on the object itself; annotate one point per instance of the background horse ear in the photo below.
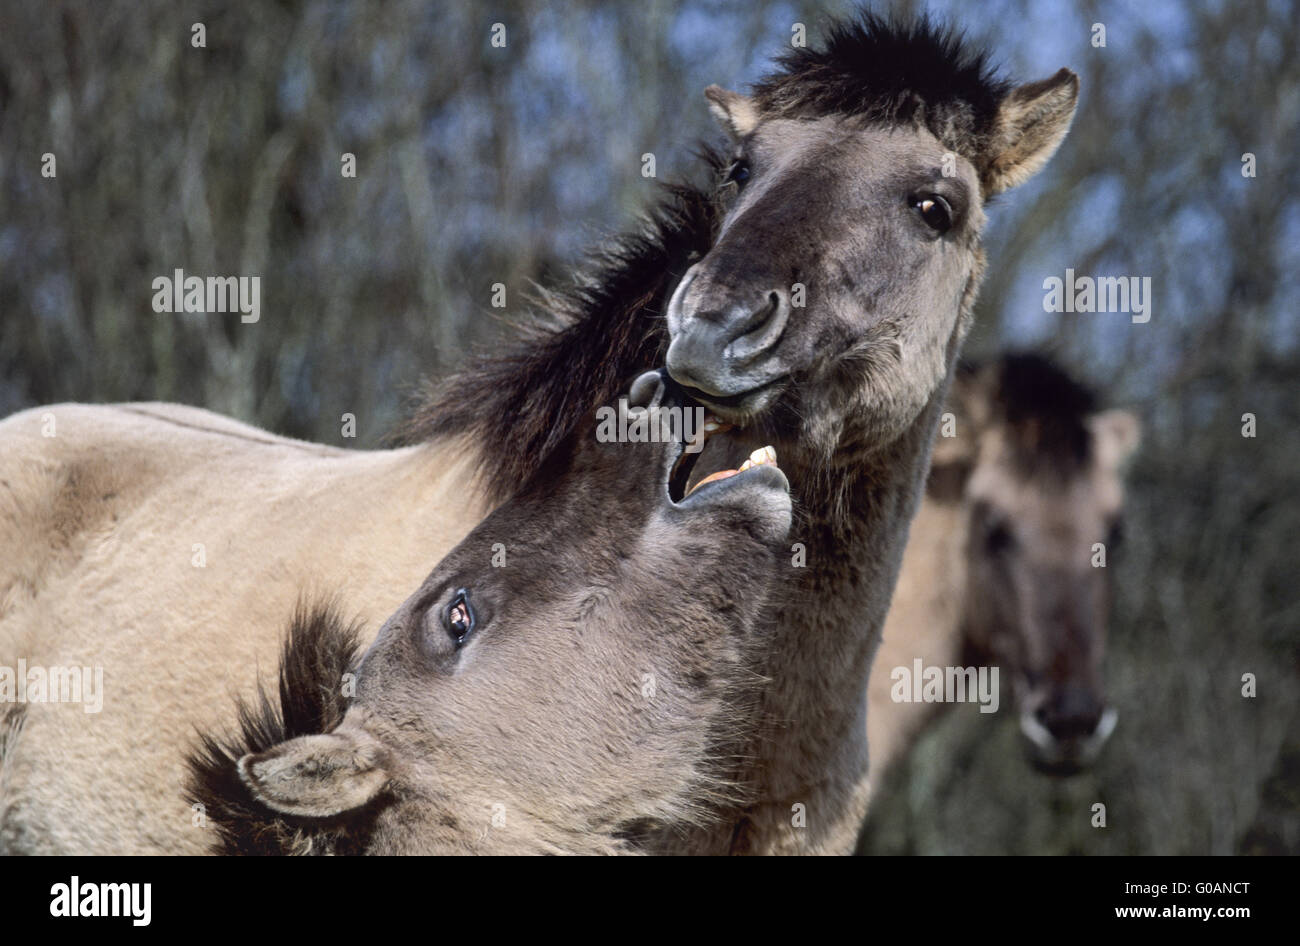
(1032, 122)
(316, 776)
(736, 113)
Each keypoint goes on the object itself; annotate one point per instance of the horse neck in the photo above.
(810, 739)
(843, 596)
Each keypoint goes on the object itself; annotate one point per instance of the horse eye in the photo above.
(459, 617)
(999, 538)
(738, 173)
(934, 210)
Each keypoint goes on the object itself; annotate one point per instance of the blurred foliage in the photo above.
(479, 165)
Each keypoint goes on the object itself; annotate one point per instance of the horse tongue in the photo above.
(720, 475)
(761, 456)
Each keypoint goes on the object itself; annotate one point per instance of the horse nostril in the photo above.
(760, 331)
(1071, 722)
(723, 341)
(742, 322)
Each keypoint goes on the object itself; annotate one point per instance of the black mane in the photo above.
(585, 345)
(318, 651)
(1046, 411)
(891, 72)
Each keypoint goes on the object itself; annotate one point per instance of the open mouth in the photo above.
(713, 458)
(718, 458)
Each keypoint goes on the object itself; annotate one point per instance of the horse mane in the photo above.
(1046, 412)
(317, 652)
(579, 347)
(891, 71)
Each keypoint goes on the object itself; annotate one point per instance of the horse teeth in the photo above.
(763, 456)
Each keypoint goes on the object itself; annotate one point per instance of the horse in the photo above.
(1002, 565)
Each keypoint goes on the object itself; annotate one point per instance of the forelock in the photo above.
(1044, 413)
(891, 72)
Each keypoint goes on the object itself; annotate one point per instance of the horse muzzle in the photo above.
(725, 344)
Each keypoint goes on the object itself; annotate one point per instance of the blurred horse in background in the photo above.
(1005, 560)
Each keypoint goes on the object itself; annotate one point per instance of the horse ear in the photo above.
(1031, 124)
(736, 113)
(1116, 434)
(316, 776)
